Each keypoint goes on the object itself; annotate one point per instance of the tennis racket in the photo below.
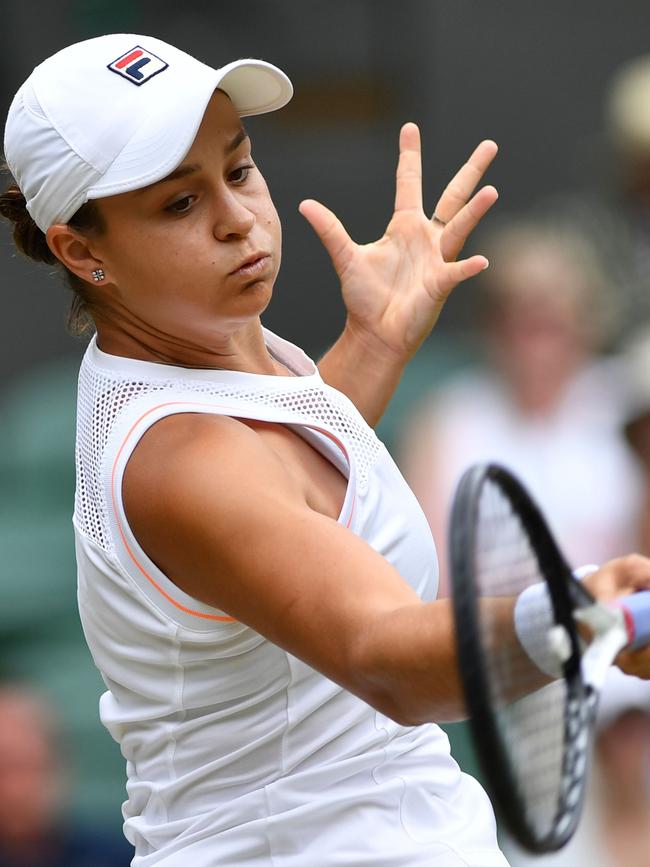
(534, 649)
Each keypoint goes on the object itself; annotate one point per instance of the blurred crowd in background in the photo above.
(543, 365)
(560, 394)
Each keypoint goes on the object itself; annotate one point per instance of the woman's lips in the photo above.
(253, 267)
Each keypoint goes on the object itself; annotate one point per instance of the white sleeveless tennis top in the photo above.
(238, 753)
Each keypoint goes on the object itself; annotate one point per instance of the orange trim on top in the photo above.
(221, 618)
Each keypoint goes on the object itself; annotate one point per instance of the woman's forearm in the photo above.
(366, 371)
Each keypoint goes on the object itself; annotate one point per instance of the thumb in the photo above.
(330, 230)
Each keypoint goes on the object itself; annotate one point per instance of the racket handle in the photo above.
(636, 610)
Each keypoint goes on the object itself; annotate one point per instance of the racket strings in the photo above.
(531, 727)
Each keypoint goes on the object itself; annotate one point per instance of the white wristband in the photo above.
(534, 620)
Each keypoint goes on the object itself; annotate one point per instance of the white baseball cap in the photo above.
(118, 113)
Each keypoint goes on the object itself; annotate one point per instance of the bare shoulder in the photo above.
(187, 458)
(204, 495)
(217, 510)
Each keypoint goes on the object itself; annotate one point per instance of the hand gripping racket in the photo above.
(534, 648)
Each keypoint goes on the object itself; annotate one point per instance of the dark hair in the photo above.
(31, 242)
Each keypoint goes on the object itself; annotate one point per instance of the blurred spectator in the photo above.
(542, 404)
(33, 780)
(636, 360)
(614, 830)
(613, 211)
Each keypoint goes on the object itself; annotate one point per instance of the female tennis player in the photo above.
(256, 580)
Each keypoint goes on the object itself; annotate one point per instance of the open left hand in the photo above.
(395, 287)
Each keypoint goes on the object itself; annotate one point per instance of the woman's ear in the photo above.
(73, 250)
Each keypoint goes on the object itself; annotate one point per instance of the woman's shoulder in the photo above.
(181, 442)
(199, 478)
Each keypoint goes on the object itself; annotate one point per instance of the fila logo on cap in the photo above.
(138, 65)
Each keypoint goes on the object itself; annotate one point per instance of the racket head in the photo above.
(532, 749)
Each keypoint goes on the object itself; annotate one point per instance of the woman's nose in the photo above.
(233, 218)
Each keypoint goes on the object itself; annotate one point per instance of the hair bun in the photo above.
(12, 203)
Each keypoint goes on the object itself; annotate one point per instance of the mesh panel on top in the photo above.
(104, 394)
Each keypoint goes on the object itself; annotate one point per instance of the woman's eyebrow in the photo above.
(190, 168)
(180, 172)
(236, 140)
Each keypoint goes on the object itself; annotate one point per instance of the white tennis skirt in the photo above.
(413, 811)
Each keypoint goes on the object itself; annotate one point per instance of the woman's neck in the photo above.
(240, 349)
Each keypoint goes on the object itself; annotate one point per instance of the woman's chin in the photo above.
(256, 295)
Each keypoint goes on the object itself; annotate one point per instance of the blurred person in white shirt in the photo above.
(545, 403)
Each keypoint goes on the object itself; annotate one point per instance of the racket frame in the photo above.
(564, 593)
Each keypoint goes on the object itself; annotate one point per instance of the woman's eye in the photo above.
(239, 175)
(180, 206)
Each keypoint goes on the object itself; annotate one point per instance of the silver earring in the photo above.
(98, 275)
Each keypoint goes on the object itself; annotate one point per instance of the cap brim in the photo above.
(255, 86)
(166, 135)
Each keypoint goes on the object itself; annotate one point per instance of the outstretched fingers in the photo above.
(330, 230)
(408, 186)
(454, 273)
(465, 181)
(458, 230)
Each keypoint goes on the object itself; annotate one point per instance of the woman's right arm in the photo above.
(219, 512)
